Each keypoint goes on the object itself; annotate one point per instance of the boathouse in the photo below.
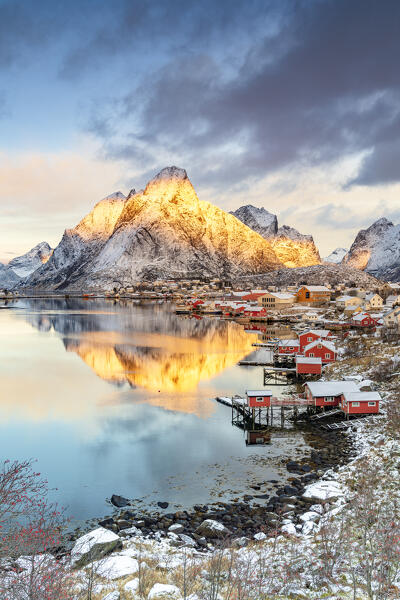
(328, 394)
(259, 398)
(360, 403)
(322, 349)
(308, 366)
(255, 312)
(289, 347)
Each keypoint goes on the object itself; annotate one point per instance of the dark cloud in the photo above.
(324, 84)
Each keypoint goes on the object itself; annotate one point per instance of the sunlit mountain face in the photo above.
(166, 356)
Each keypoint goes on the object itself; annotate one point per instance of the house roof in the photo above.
(331, 388)
(361, 316)
(315, 288)
(323, 343)
(362, 396)
(289, 343)
(259, 392)
(308, 360)
(320, 332)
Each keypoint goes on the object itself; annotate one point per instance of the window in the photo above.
(355, 404)
(319, 346)
(307, 294)
(311, 355)
(328, 399)
(327, 355)
(309, 339)
(260, 399)
(259, 440)
(291, 348)
(371, 403)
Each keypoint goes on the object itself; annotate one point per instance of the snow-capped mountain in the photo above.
(292, 248)
(377, 250)
(162, 232)
(74, 254)
(336, 256)
(27, 263)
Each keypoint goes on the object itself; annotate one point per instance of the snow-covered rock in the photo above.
(260, 536)
(116, 566)
(289, 528)
(212, 529)
(323, 491)
(8, 278)
(132, 586)
(163, 591)
(93, 545)
(336, 256)
(377, 250)
(115, 595)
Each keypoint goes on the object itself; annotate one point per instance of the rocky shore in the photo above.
(264, 509)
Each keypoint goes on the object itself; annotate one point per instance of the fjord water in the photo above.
(119, 398)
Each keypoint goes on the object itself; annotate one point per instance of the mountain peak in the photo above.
(171, 173)
(258, 219)
(114, 196)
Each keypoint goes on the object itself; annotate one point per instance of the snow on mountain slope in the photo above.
(79, 245)
(292, 248)
(258, 219)
(166, 231)
(27, 263)
(8, 278)
(162, 232)
(377, 250)
(336, 256)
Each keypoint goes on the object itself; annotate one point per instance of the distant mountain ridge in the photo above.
(293, 248)
(336, 256)
(376, 250)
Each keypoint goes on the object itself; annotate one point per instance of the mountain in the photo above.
(162, 232)
(377, 250)
(79, 246)
(292, 248)
(8, 279)
(336, 256)
(27, 263)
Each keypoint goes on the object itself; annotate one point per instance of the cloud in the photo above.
(322, 85)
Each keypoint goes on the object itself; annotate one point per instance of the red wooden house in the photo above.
(311, 335)
(322, 349)
(254, 312)
(308, 366)
(360, 403)
(329, 394)
(289, 347)
(259, 398)
(363, 319)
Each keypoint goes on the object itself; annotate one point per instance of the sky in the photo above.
(293, 105)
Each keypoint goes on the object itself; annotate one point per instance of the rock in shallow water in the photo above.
(119, 501)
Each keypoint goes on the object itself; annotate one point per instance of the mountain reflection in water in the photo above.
(150, 348)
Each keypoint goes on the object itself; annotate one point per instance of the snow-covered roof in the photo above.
(258, 392)
(289, 343)
(323, 343)
(362, 396)
(361, 316)
(282, 295)
(331, 388)
(320, 332)
(315, 288)
(308, 360)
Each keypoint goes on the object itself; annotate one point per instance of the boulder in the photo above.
(176, 528)
(132, 586)
(113, 596)
(323, 491)
(119, 501)
(114, 567)
(163, 504)
(94, 545)
(212, 529)
(162, 591)
(260, 536)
